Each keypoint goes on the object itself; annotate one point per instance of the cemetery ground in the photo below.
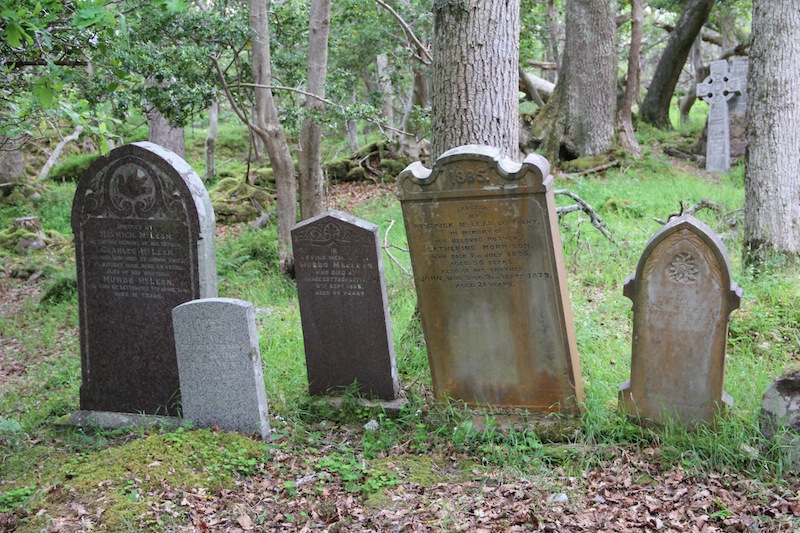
(429, 468)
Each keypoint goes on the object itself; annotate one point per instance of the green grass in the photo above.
(37, 463)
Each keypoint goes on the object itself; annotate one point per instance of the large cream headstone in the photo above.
(490, 279)
(682, 297)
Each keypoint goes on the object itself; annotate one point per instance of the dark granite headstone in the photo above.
(490, 278)
(144, 243)
(682, 296)
(343, 306)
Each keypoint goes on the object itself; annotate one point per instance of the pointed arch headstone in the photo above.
(682, 296)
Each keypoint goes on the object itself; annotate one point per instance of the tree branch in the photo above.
(421, 48)
(582, 205)
(51, 161)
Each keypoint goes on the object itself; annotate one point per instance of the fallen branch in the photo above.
(582, 205)
(387, 246)
(598, 168)
(704, 203)
(53, 159)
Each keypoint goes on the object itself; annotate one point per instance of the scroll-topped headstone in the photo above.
(144, 243)
(343, 306)
(490, 278)
(682, 297)
(222, 383)
(717, 89)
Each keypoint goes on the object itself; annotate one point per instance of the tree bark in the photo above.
(309, 156)
(211, 141)
(579, 118)
(554, 34)
(419, 95)
(352, 128)
(772, 165)
(686, 103)
(475, 75)
(385, 87)
(269, 130)
(624, 118)
(163, 134)
(655, 108)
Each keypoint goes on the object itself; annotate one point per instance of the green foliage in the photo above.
(72, 167)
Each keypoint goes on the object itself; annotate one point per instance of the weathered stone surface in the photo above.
(717, 89)
(222, 383)
(682, 297)
(115, 420)
(491, 285)
(343, 306)
(144, 243)
(780, 415)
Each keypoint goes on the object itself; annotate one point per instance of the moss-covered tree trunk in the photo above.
(579, 119)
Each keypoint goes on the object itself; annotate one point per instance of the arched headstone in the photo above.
(144, 243)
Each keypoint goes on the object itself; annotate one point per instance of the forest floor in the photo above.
(625, 489)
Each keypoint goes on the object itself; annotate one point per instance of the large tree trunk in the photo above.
(579, 118)
(655, 108)
(269, 130)
(475, 75)
(419, 96)
(163, 134)
(624, 119)
(310, 155)
(772, 169)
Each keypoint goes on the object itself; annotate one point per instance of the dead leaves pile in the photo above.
(629, 493)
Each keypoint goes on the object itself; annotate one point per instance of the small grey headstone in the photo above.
(144, 243)
(222, 383)
(343, 306)
(780, 414)
(682, 296)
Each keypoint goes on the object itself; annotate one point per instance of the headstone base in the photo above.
(628, 406)
(553, 427)
(112, 420)
(391, 408)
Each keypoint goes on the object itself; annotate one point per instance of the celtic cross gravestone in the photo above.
(717, 89)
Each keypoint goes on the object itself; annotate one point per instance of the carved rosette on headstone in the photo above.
(491, 285)
(682, 297)
(343, 306)
(144, 243)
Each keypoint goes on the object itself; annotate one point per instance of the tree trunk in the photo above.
(352, 128)
(269, 130)
(211, 141)
(655, 108)
(624, 119)
(385, 87)
(309, 157)
(686, 103)
(419, 96)
(579, 118)
(475, 75)
(772, 169)
(163, 134)
(551, 50)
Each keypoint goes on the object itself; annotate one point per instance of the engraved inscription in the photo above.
(479, 249)
(336, 275)
(136, 258)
